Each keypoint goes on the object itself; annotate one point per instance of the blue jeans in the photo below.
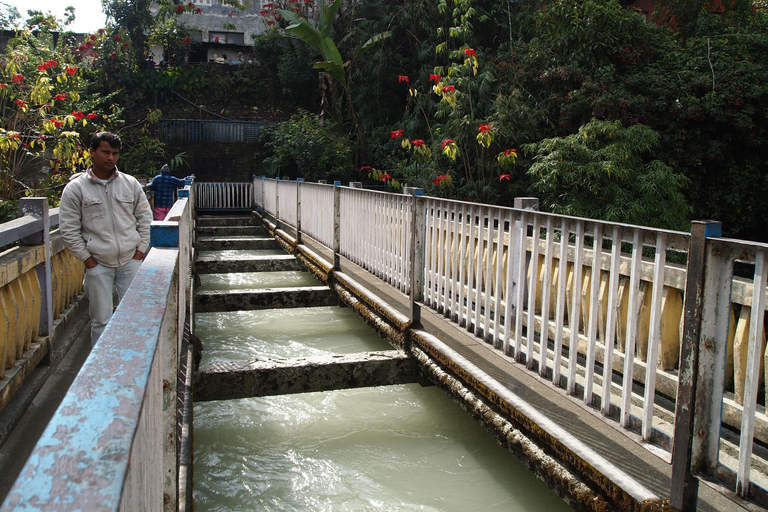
(99, 284)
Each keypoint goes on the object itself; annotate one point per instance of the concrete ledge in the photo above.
(400, 321)
(266, 298)
(209, 243)
(226, 381)
(273, 263)
(210, 230)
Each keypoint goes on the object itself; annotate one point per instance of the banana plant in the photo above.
(319, 38)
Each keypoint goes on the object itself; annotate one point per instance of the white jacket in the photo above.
(109, 222)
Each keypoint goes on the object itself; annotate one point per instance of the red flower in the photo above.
(449, 88)
(507, 177)
(216, 39)
(198, 10)
(60, 97)
(2, 86)
(417, 142)
(41, 67)
(386, 177)
(446, 142)
(268, 6)
(18, 78)
(434, 78)
(510, 152)
(231, 13)
(93, 37)
(366, 168)
(22, 103)
(116, 37)
(91, 115)
(57, 123)
(484, 128)
(179, 9)
(71, 70)
(78, 115)
(114, 56)
(270, 22)
(191, 4)
(403, 78)
(470, 52)
(436, 181)
(264, 13)
(396, 134)
(101, 31)
(187, 40)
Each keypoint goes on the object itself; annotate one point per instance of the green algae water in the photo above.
(389, 448)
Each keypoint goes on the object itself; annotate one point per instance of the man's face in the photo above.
(104, 158)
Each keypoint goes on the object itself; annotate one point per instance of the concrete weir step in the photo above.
(247, 263)
(218, 243)
(264, 298)
(268, 377)
(224, 220)
(230, 231)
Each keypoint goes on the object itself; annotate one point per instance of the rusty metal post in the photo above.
(336, 225)
(416, 254)
(684, 491)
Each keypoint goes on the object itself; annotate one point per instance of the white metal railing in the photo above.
(224, 196)
(287, 202)
(317, 216)
(536, 285)
(115, 421)
(375, 233)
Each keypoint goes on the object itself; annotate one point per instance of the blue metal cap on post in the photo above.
(163, 234)
(183, 192)
(299, 179)
(336, 183)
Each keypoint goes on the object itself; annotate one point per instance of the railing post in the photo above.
(298, 210)
(277, 202)
(336, 225)
(522, 203)
(698, 292)
(416, 254)
(38, 207)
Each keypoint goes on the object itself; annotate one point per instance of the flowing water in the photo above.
(390, 448)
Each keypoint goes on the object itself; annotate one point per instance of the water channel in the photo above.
(393, 448)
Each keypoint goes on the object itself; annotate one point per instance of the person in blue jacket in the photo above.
(164, 185)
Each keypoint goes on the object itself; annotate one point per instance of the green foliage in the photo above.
(8, 210)
(296, 75)
(308, 148)
(606, 171)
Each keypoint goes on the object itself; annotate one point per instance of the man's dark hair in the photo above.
(109, 137)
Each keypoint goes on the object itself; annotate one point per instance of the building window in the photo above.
(202, 2)
(226, 38)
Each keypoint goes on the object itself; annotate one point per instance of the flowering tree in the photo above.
(43, 111)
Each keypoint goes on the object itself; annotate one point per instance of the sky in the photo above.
(88, 14)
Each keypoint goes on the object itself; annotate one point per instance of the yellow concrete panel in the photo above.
(36, 299)
(729, 349)
(23, 326)
(621, 317)
(740, 353)
(4, 335)
(55, 284)
(671, 316)
(586, 280)
(644, 320)
(602, 311)
(13, 320)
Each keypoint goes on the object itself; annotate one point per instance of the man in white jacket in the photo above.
(104, 218)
